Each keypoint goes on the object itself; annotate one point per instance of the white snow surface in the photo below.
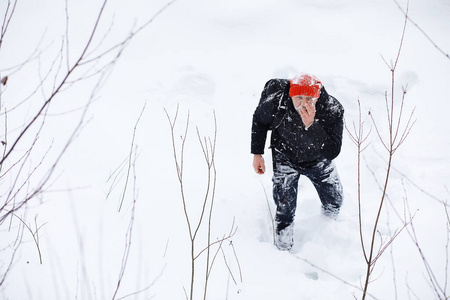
(212, 59)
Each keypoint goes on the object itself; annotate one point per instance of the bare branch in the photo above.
(128, 240)
(146, 288)
(7, 19)
(224, 238)
(391, 144)
(393, 237)
(332, 275)
(359, 139)
(421, 30)
(122, 44)
(378, 132)
(130, 161)
(272, 221)
(34, 234)
(179, 162)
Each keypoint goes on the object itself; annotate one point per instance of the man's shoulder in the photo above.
(276, 84)
(334, 105)
(274, 93)
(331, 106)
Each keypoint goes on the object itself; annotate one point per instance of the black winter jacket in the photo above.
(275, 112)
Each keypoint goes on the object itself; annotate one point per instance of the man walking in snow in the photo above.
(306, 125)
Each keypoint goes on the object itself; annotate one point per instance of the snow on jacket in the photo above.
(275, 111)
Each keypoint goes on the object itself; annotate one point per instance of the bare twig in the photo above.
(224, 238)
(7, 19)
(440, 289)
(395, 138)
(9, 263)
(130, 161)
(58, 88)
(421, 30)
(34, 234)
(208, 147)
(359, 138)
(271, 216)
(62, 74)
(227, 265)
(332, 275)
(237, 260)
(128, 239)
(447, 248)
(147, 287)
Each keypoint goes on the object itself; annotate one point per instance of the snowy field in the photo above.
(211, 59)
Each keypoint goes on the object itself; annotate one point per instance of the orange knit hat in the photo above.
(305, 85)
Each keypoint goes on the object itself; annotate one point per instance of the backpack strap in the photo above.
(282, 106)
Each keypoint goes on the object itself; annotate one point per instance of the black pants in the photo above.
(323, 175)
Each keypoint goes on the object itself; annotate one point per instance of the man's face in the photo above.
(302, 101)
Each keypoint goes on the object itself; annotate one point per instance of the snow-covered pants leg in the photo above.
(285, 186)
(324, 176)
(325, 179)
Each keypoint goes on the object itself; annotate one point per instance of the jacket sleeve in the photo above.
(327, 131)
(264, 114)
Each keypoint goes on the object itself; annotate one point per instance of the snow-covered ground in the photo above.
(212, 58)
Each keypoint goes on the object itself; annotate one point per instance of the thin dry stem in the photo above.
(391, 145)
(34, 233)
(7, 17)
(421, 30)
(128, 239)
(359, 138)
(130, 160)
(208, 147)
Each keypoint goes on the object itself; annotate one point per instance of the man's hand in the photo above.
(308, 112)
(258, 164)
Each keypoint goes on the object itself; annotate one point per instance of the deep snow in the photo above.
(217, 56)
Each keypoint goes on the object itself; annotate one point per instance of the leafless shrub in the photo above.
(437, 285)
(397, 132)
(27, 171)
(208, 147)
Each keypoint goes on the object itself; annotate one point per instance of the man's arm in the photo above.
(263, 118)
(265, 113)
(259, 136)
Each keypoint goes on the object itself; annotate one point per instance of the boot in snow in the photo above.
(330, 212)
(284, 239)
